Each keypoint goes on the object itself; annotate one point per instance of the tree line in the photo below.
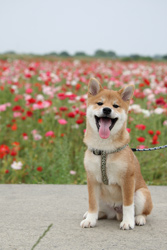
(97, 54)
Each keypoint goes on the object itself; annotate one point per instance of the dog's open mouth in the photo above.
(104, 125)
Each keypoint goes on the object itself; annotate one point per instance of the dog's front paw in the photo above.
(126, 225)
(90, 220)
(87, 223)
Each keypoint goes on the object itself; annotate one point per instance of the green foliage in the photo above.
(165, 57)
(64, 54)
(80, 54)
(102, 53)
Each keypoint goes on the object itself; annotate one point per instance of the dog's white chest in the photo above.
(114, 168)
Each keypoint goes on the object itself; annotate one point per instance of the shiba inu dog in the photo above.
(116, 187)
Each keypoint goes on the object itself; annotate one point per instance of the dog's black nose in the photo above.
(106, 111)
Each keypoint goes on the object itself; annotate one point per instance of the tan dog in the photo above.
(125, 194)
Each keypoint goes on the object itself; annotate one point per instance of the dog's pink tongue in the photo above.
(104, 130)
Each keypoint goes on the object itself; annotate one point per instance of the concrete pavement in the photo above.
(26, 212)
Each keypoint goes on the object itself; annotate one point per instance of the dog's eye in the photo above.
(99, 103)
(115, 106)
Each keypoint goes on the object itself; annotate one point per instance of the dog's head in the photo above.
(107, 109)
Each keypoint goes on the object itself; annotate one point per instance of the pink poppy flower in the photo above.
(37, 137)
(49, 133)
(165, 123)
(129, 130)
(28, 91)
(62, 121)
(141, 146)
(34, 132)
(72, 172)
(17, 114)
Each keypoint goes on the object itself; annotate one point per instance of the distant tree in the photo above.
(80, 53)
(147, 58)
(135, 57)
(10, 52)
(111, 54)
(125, 58)
(159, 57)
(165, 57)
(51, 54)
(100, 53)
(64, 54)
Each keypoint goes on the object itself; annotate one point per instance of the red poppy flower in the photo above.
(155, 138)
(40, 169)
(158, 132)
(78, 86)
(79, 121)
(4, 150)
(61, 96)
(29, 113)
(6, 171)
(40, 120)
(71, 97)
(141, 139)
(82, 113)
(82, 99)
(14, 127)
(71, 114)
(24, 134)
(16, 108)
(141, 126)
(151, 132)
(27, 75)
(63, 108)
(13, 152)
(141, 85)
(160, 101)
(31, 100)
(154, 142)
(15, 143)
(147, 82)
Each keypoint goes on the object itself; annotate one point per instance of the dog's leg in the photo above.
(92, 214)
(128, 203)
(143, 205)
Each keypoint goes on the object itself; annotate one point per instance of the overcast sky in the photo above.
(124, 26)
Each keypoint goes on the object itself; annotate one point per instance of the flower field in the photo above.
(42, 117)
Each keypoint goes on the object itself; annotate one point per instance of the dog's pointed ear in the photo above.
(94, 87)
(127, 92)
